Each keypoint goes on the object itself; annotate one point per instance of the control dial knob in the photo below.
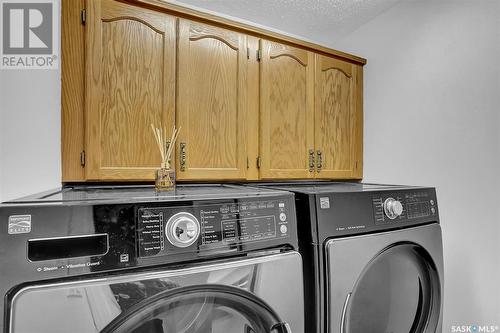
(182, 229)
(392, 208)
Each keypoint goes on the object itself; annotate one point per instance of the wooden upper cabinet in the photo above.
(338, 119)
(286, 111)
(130, 83)
(249, 108)
(211, 102)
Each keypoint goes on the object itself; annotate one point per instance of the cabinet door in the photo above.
(129, 85)
(211, 101)
(338, 123)
(287, 106)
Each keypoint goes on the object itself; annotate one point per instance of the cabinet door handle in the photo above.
(311, 160)
(182, 152)
(320, 160)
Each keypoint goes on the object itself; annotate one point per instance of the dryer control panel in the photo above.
(393, 207)
(212, 227)
(344, 213)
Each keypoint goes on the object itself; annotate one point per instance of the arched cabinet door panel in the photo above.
(286, 113)
(130, 84)
(338, 119)
(212, 102)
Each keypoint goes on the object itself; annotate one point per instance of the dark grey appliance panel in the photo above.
(86, 232)
(389, 281)
(329, 211)
(83, 239)
(100, 194)
(226, 226)
(340, 214)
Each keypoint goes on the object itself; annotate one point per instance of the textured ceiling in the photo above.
(322, 21)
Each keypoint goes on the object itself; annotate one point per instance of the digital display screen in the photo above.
(418, 209)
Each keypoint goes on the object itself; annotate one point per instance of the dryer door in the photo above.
(385, 283)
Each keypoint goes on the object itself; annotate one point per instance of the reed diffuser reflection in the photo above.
(165, 175)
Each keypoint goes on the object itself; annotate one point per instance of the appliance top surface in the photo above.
(334, 187)
(142, 193)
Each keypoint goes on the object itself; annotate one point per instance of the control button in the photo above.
(282, 217)
(432, 202)
(392, 208)
(433, 210)
(283, 229)
(182, 229)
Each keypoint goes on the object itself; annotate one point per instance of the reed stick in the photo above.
(166, 148)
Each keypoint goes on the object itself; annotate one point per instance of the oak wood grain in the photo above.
(358, 145)
(199, 31)
(130, 84)
(335, 118)
(237, 108)
(72, 90)
(287, 106)
(253, 109)
(212, 102)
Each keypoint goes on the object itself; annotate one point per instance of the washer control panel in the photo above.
(396, 207)
(205, 227)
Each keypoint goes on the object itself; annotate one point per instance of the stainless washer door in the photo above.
(167, 312)
(196, 299)
(389, 282)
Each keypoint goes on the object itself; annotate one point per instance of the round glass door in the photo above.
(397, 292)
(201, 308)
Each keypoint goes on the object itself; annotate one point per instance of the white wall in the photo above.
(30, 131)
(30, 137)
(1, 163)
(432, 117)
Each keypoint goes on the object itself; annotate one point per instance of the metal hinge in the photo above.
(259, 54)
(82, 158)
(248, 53)
(258, 162)
(83, 16)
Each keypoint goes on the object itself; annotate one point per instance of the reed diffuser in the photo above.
(165, 175)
